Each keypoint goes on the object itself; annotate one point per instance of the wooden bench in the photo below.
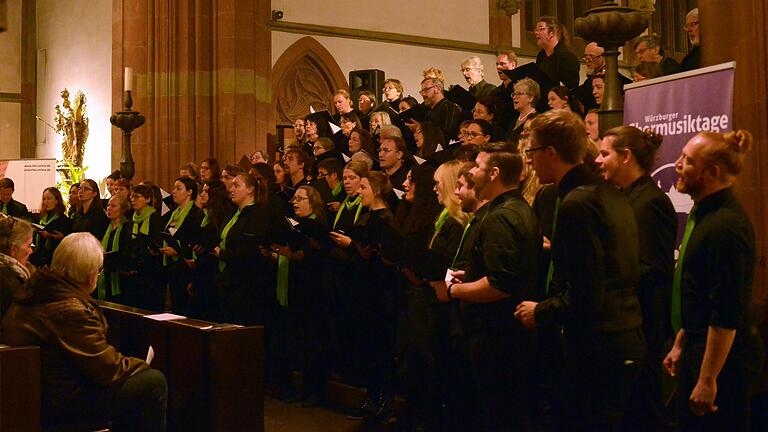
(215, 372)
(19, 389)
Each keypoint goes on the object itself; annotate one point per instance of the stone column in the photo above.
(202, 74)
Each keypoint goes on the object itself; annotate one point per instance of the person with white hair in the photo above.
(85, 381)
(472, 69)
(15, 249)
(692, 60)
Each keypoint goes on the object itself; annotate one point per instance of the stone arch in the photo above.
(306, 73)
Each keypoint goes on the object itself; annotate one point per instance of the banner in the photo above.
(30, 178)
(679, 107)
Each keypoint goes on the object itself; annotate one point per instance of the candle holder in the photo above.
(127, 121)
(611, 26)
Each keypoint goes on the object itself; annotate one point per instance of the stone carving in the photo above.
(302, 85)
(509, 7)
(72, 123)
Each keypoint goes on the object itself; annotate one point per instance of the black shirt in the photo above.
(595, 254)
(562, 66)
(718, 266)
(657, 231)
(506, 252)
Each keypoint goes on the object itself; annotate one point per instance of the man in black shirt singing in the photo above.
(717, 349)
(500, 273)
(594, 274)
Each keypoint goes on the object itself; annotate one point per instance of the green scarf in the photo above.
(206, 218)
(141, 221)
(177, 218)
(283, 270)
(349, 204)
(336, 190)
(225, 231)
(114, 278)
(5, 209)
(45, 221)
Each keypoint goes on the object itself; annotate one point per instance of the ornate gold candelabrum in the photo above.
(611, 26)
(127, 121)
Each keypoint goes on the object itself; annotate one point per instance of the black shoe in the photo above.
(366, 408)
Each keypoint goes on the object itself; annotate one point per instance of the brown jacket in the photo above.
(58, 315)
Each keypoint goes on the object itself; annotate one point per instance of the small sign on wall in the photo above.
(30, 177)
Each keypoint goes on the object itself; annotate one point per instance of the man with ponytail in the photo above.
(626, 158)
(717, 349)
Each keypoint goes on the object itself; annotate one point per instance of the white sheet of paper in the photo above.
(334, 128)
(311, 110)
(399, 193)
(419, 160)
(150, 355)
(172, 230)
(439, 148)
(448, 277)
(346, 158)
(454, 141)
(164, 317)
(292, 221)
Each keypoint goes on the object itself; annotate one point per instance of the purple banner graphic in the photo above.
(678, 109)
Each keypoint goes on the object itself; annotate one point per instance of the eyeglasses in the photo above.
(297, 199)
(321, 175)
(518, 94)
(528, 151)
(589, 58)
(541, 29)
(426, 89)
(473, 134)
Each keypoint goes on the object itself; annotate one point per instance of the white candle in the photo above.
(128, 78)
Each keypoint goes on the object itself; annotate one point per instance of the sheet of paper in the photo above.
(448, 277)
(346, 158)
(398, 193)
(292, 221)
(419, 160)
(165, 317)
(311, 110)
(439, 148)
(150, 355)
(334, 128)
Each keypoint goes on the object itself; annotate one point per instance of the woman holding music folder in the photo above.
(180, 231)
(56, 225)
(217, 209)
(306, 325)
(146, 285)
(373, 301)
(245, 279)
(115, 243)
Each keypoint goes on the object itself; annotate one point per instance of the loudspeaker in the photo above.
(369, 79)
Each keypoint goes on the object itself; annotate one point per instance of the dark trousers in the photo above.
(139, 404)
(500, 359)
(733, 387)
(600, 373)
(177, 275)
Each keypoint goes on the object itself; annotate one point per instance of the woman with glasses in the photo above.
(146, 226)
(53, 216)
(116, 246)
(304, 307)
(392, 93)
(348, 122)
(525, 96)
(90, 217)
(15, 248)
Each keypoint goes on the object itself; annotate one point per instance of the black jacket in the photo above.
(595, 254)
(16, 209)
(94, 221)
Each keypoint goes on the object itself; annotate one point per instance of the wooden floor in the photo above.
(283, 417)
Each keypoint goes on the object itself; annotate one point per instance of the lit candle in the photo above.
(128, 79)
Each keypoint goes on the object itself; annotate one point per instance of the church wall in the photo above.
(74, 42)
(447, 19)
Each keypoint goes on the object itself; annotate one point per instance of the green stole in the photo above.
(349, 204)
(336, 190)
(551, 267)
(461, 242)
(677, 279)
(177, 218)
(5, 209)
(114, 278)
(225, 231)
(141, 221)
(283, 268)
(45, 221)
